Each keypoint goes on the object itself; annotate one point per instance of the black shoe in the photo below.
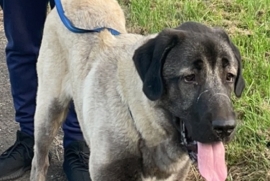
(76, 158)
(16, 160)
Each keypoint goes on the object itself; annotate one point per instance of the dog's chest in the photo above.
(164, 162)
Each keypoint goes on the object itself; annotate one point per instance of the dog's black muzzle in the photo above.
(215, 116)
(211, 119)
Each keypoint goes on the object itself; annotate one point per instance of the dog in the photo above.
(146, 104)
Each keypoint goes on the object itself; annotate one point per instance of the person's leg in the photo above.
(71, 127)
(75, 149)
(23, 23)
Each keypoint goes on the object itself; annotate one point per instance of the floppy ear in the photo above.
(149, 60)
(239, 81)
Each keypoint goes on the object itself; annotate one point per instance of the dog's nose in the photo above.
(224, 128)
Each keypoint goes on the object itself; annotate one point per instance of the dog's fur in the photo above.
(127, 89)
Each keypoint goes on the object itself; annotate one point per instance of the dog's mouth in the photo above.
(210, 157)
(186, 141)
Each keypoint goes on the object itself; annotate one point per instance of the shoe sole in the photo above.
(16, 174)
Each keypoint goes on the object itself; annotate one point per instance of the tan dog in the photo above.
(140, 100)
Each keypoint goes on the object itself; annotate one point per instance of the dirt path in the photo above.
(8, 126)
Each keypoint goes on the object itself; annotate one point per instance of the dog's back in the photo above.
(70, 50)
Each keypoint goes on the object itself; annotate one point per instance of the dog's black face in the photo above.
(191, 72)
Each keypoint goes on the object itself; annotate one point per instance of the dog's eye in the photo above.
(229, 77)
(190, 78)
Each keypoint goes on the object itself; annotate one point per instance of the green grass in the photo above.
(248, 24)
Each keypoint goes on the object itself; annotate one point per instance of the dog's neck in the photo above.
(138, 104)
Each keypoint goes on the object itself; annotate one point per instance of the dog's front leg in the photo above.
(38, 173)
(48, 118)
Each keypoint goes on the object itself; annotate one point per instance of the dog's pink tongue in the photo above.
(211, 161)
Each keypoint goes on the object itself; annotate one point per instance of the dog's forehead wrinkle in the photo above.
(185, 70)
(212, 53)
(226, 50)
(176, 59)
(231, 58)
(214, 80)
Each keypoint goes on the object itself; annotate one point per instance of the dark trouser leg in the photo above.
(72, 131)
(23, 23)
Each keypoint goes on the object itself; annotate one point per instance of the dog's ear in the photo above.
(239, 81)
(149, 60)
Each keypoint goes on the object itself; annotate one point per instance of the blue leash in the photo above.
(74, 29)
